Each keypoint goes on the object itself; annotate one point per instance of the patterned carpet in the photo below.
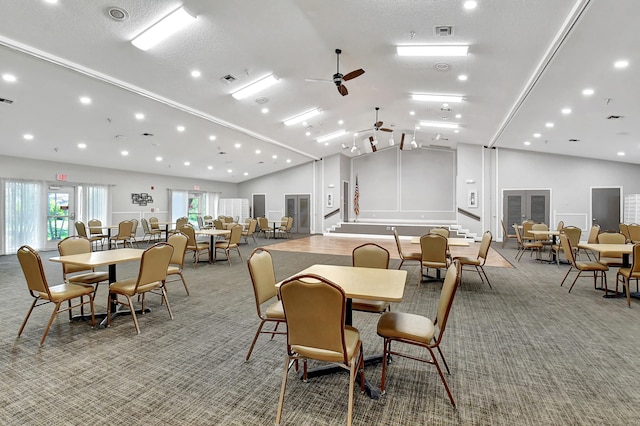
(525, 352)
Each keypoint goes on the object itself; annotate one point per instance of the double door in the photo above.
(298, 206)
(520, 205)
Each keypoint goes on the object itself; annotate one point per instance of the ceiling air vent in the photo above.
(6, 101)
(614, 117)
(443, 31)
(228, 79)
(117, 14)
(574, 140)
(147, 134)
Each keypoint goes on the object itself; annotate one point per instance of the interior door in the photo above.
(345, 201)
(298, 206)
(61, 214)
(519, 205)
(258, 203)
(605, 208)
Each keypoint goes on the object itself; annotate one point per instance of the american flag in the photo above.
(356, 199)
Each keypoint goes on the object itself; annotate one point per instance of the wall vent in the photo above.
(6, 101)
(228, 79)
(614, 117)
(443, 31)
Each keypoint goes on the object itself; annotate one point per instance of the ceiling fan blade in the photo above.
(318, 80)
(384, 129)
(373, 147)
(378, 125)
(343, 90)
(402, 142)
(353, 74)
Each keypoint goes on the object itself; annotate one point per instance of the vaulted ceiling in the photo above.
(527, 61)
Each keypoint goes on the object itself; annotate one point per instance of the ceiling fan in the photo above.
(338, 77)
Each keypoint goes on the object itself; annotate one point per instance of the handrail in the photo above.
(469, 214)
(328, 215)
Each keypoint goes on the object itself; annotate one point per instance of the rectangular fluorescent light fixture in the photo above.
(439, 124)
(162, 29)
(255, 87)
(330, 136)
(301, 117)
(433, 50)
(436, 98)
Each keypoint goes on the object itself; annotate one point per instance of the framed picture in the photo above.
(472, 199)
(330, 199)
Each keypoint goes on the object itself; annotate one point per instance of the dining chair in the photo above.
(79, 274)
(180, 222)
(634, 233)
(479, 261)
(263, 224)
(420, 331)
(176, 266)
(151, 279)
(544, 239)
(134, 231)
(440, 231)
(218, 224)
(527, 226)
(411, 256)
(433, 255)
(124, 234)
(592, 239)
(611, 258)
(370, 255)
(251, 229)
(624, 230)
(81, 230)
(627, 274)
(193, 245)
(314, 310)
(263, 280)
(526, 245)
(597, 268)
(573, 233)
(149, 234)
(232, 243)
(506, 236)
(95, 231)
(31, 265)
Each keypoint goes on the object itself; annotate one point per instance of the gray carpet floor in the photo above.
(523, 353)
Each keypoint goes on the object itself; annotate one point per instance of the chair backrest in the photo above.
(397, 238)
(611, 238)
(448, 292)
(200, 222)
(635, 263)
(74, 245)
(218, 224)
(440, 231)
(236, 234)
(263, 276)
(181, 221)
(634, 232)
(593, 234)
(81, 229)
(153, 221)
(314, 309)
(228, 219)
(95, 226)
(252, 226)
(573, 233)
(434, 248)
(208, 217)
(31, 265)
(518, 235)
(560, 225)
(134, 227)
(567, 249)
(145, 225)
(484, 246)
(190, 233)
(179, 243)
(283, 221)
(289, 223)
(526, 227)
(504, 228)
(624, 230)
(263, 222)
(154, 264)
(539, 227)
(370, 255)
(124, 229)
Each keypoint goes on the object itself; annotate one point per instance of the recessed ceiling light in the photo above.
(301, 117)
(433, 50)
(162, 29)
(458, 115)
(265, 110)
(246, 173)
(438, 124)
(51, 1)
(436, 98)
(340, 122)
(288, 160)
(412, 113)
(308, 133)
(124, 153)
(82, 145)
(28, 136)
(445, 105)
(456, 131)
(527, 143)
(588, 92)
(549, 124)
(212, 138)
(255, 87)
(330, 136)
(195, 73)
(210, 167)
(274, 156)
(536, 135)
(621, 153)
(180, 128)
(566, 111)
(10, 78)
(187, 163)
(140, 116)
(238, 145)
(158, 159)
(463, 77)
(85, 100)
(229, 171)
(621, 63)
(470, 4)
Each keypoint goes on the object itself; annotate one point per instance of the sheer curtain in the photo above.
(179, 204)
(211, 203)
(94, 202)
(24, 208)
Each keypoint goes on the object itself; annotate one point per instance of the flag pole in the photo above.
(356, 200)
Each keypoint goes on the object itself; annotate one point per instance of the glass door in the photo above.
(61, 214)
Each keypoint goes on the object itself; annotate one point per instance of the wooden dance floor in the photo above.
(344, 246)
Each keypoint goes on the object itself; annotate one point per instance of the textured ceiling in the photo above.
(527, 60)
